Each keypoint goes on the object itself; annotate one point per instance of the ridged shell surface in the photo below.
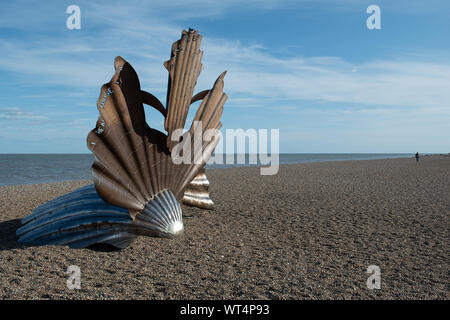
(137, 185)
(196, 193)
(162, 216)
(81, 218)
(132, 162)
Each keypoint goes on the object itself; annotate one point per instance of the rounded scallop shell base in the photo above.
(196, 193)
(81, 218)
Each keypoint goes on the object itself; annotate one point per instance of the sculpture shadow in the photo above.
(103, 247)
(8, 237)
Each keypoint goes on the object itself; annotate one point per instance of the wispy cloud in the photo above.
(85, 60)
(254, 73)
(13, 114)
(257, 74)
(53, 62)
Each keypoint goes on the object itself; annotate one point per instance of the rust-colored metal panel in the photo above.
(132, 161)
(137, 186)
(184, 68)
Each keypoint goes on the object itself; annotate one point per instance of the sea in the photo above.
(16, 169)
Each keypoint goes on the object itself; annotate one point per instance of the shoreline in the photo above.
(236, 166)
(309, 232)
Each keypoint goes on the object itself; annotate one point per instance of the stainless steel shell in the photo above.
(196, 194)
(184, 68)
(81, 218)
(137, 186)
(132, 162)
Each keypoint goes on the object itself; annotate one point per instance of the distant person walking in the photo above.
(417, 157)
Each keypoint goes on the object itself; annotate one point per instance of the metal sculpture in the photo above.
(196, 193)
(137, 187)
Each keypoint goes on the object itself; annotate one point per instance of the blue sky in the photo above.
(309, 68)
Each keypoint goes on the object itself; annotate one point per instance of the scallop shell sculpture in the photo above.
(137, 186)
(196, 193)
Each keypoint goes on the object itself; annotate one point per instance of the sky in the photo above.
(310, 68)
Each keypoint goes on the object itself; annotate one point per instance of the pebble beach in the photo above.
(308, 232)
